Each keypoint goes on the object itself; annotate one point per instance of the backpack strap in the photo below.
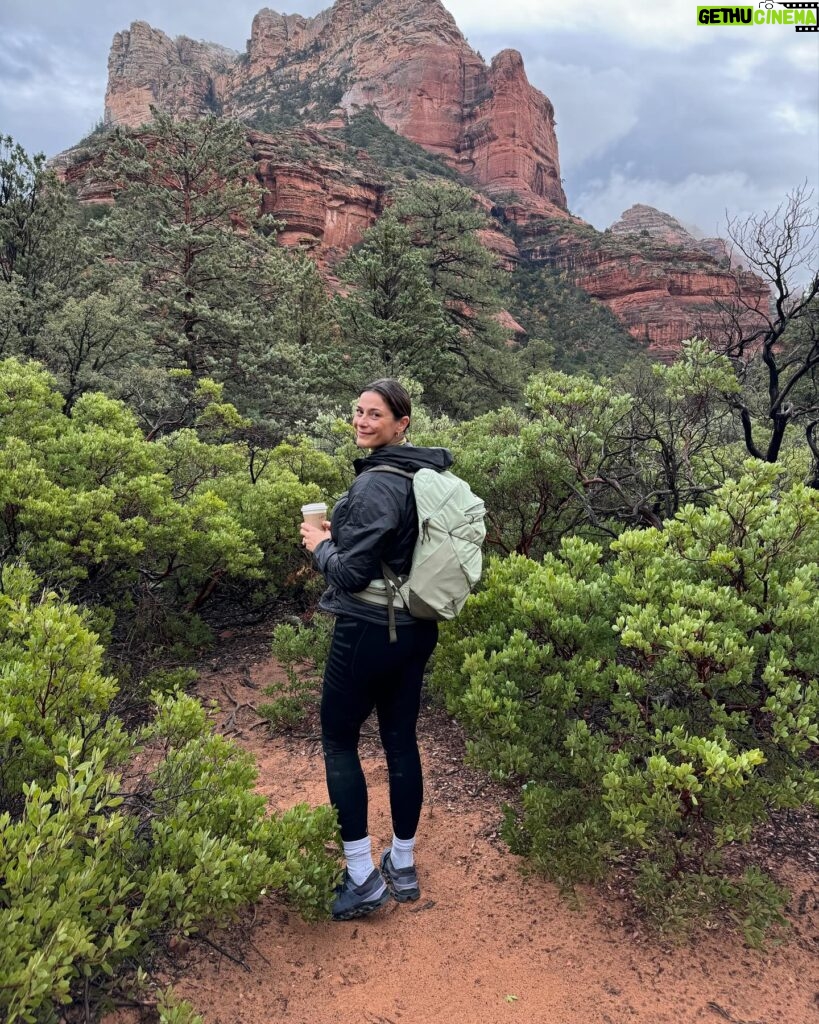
(392, 582)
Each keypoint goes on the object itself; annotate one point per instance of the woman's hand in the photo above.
(312, 536)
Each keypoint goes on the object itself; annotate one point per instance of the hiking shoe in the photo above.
(402, 882)
(359, 900)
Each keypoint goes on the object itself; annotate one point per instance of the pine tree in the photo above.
(391, 323)
(218, 297)
(444, 221)
(40, 257)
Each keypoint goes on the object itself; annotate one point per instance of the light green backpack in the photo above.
(446, 561)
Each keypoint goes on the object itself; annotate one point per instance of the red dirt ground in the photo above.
(485, 944)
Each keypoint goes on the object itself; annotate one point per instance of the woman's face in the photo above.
(374, 423)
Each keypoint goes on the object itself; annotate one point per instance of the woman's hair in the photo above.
(394, 394)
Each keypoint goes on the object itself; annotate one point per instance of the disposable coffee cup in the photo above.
(315, 513)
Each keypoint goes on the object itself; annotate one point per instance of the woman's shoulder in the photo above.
(381, 481)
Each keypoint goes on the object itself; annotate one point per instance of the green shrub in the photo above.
(150, 529)
(210, 826)
(175, 1011)
(95, 872)
(510, 461)
(302, 652)
(94, 876)
(52, 689)
(593, 458)
(67, 906)
(658, 705)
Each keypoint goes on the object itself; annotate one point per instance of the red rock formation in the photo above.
(493, 239)
(510, 146)
(645, 221)
(407, 60)
(404, 58)
(517, 334)
(147, 68)
(319, 199)
(322, 201)
(661, 293)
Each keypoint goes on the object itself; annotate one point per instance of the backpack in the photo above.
(446, 561)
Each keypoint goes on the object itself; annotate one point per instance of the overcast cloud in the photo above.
(650, 107)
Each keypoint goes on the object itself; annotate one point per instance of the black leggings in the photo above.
(365, 671)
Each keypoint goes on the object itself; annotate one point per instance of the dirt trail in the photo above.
(485, 944)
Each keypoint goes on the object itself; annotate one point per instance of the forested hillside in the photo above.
(640, 665)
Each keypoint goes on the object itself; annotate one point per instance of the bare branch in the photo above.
(780, 247)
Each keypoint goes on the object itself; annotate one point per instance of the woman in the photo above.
(374, 522)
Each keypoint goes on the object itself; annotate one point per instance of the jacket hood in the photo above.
(406, 456)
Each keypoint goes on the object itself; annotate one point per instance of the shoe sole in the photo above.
(404, 897)
(363, 909)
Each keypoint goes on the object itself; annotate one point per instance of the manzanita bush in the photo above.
(96, 870)
(147, 531)
(658, 702)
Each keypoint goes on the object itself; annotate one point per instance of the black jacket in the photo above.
(374, 521)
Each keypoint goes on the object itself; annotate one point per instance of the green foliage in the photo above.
(64, 908)
(593, 457)
(391, 151)
(32, 207)
(95, 874)
(221, 302)
(149, 529)
(752, 902)
(507, 458)
(443, 221)
(299, 456)
(661, 704)
(287, 101)
(174, 1011)
(210, 828)
(392, 323)
(40, 251)
(301, 868)
(91, 341)
(90, 886)
(568, 330)
(92, 504)
(635, 450)
(424, 304)
(302, 651)
(51, 687)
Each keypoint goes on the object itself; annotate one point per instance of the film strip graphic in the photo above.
(804, 7)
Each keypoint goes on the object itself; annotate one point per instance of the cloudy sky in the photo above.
(650, 107)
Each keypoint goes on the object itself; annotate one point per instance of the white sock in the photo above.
(359, 857)
(401, 852)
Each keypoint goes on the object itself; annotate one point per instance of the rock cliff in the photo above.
(663, 285)
(146, 68)
(405, 59)
(648, 222)
(325, 196)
